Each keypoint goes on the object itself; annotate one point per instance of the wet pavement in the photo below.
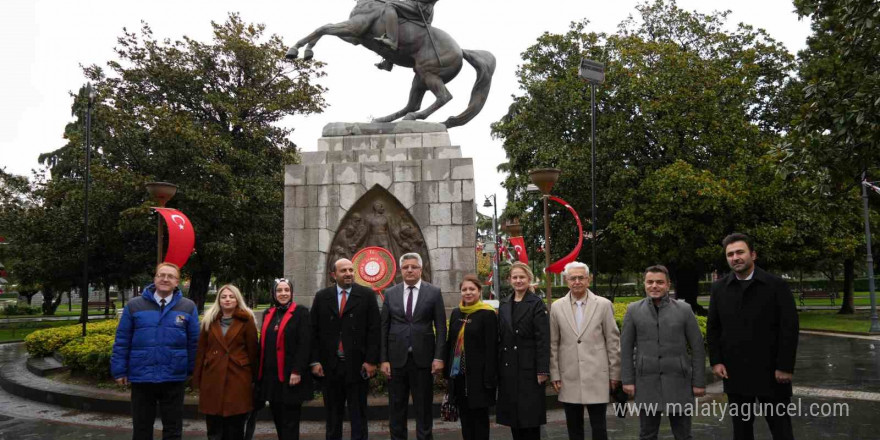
(834, 374)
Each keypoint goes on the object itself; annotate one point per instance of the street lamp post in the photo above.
(84, 312)
(544, 179)
(875, 325)
(161, 193)
(594, 73)
(496, 289)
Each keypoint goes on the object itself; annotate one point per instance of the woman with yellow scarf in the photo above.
(470, 366)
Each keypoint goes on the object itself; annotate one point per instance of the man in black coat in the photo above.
(753, 335)
(345, 325)
(413, 347)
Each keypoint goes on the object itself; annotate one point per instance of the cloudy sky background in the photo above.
(43, 43)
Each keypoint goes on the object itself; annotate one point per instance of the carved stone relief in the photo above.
(379, 219)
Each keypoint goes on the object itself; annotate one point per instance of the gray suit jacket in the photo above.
(426, 333)
(654, 352)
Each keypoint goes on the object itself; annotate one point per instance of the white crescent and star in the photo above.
(175, 218)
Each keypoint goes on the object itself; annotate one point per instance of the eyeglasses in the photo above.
(577, 278)
(411, 267)
(166, 276)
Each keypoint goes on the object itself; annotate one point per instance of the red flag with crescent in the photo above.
(559, 265)
(181, 236)
(519, 248)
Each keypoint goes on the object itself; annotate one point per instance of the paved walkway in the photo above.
(831, 370)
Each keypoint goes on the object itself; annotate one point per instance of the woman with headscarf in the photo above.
(283, 378)
(470, 366)
(524, 357)
(226, 364)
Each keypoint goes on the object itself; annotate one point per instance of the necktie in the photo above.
(579, 316)
(342, 303)
(339, 351)
(409, 302)
(162, 305)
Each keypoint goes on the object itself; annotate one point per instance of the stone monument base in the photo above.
(413, 164)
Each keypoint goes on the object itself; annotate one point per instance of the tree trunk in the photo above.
(106, 299)
(198, 287)
(849, 275)
(687, 287)
(50, 301)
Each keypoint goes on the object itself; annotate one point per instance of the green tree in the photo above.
(205, 117)
(687, 115)
(835, 138)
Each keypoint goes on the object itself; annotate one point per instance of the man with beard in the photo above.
(753, 335)
(345, 325)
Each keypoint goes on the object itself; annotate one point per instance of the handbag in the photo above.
(448, 410)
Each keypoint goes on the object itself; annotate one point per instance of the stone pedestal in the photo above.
(416, 163)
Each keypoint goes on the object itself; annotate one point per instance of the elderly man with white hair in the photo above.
(584, 353)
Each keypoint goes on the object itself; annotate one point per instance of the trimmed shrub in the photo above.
(42, 343)
(90, 355)
(15, 309)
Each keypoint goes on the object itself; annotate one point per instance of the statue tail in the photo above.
(484, 63)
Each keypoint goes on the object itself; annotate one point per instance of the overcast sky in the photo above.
(42, 44)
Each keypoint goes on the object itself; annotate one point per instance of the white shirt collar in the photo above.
(418, 286)
(748, 277)
(159, 298)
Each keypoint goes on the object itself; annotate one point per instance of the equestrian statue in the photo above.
(400, 31)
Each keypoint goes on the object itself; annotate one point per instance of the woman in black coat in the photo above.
(470, 365)
(524, 358)
(284, 376)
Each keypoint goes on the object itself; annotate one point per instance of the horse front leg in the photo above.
(416, 95)
(347, 30)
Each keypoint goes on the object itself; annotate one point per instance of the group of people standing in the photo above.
(502, 358)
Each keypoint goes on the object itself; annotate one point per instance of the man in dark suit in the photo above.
(413, 340)
(753, 335)
(345, 325)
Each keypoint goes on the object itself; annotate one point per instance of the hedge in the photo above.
(42, 343)
(16, 309)
(90, 355)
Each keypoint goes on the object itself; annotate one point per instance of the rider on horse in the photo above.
(420, 12)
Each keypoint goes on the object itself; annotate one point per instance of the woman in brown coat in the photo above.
(226, 364)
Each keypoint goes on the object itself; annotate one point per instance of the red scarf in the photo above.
(279, 343)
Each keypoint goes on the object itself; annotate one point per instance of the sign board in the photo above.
(592, 71)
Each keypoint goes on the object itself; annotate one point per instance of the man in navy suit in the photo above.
(412, 346)
(345, 325)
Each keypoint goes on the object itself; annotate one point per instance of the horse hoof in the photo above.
(308, 54)
(410, 117)
(292, 54)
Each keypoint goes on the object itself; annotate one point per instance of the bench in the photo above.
(100, 305)
(806, 294)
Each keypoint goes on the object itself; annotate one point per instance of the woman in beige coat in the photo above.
(584, 353)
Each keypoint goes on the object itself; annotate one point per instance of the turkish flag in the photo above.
(181, 236)
(519, 248)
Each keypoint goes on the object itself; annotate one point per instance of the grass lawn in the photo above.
(17, 331)
(831, 321)
(861, 299)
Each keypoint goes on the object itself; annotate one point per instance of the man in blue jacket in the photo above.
(155, 351)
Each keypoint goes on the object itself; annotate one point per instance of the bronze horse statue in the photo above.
(432, 54)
